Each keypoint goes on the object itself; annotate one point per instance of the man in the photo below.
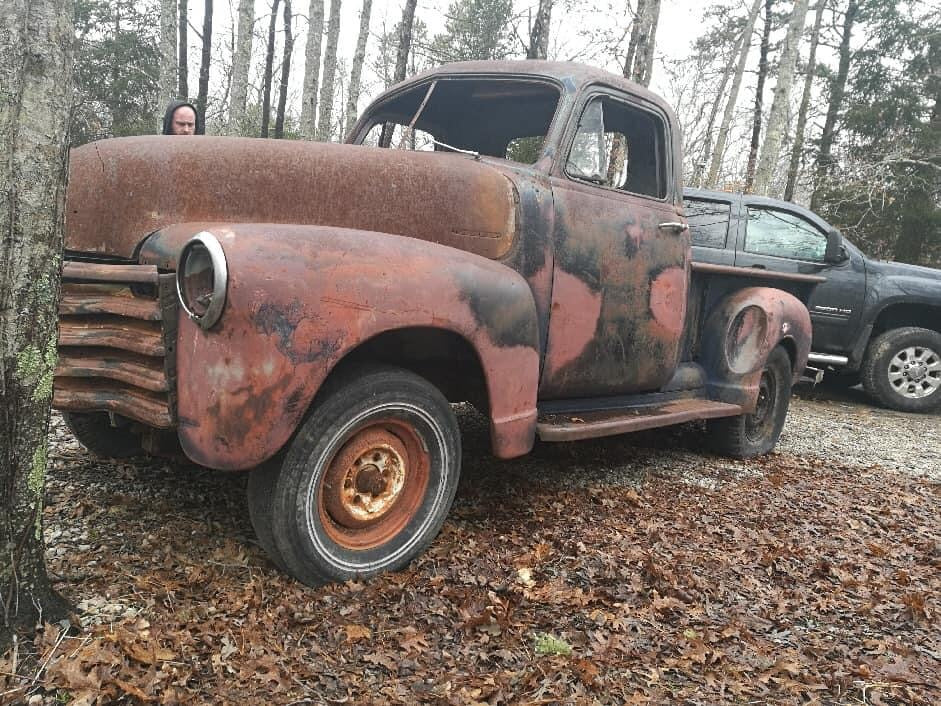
(181, 118)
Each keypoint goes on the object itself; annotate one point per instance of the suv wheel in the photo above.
(902, 369)
(757, 433)
(367, 481)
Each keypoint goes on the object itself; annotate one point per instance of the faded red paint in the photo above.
(575, 309)
(668, 299)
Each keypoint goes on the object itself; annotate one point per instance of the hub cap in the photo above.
(915, 372)
(374, 485)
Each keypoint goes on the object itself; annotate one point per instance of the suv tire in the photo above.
(902, 369)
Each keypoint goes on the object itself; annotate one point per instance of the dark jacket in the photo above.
(168, 118)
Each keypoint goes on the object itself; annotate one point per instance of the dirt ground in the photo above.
(629, 570)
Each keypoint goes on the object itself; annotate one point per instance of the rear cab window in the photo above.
(708, 222)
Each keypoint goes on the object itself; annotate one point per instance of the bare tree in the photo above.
(168, 70)
(539, 35)
(202, 96)
(405, 40)
(183, 89)
(324, 120)
(269, 66)
(759, 95)
(352, 97)
(240, 65)
(285, 71)
(798, 146)
(774, 136)
(638, 65)
(36, 75)
(312, 70)
(726, 124)
(837, 89)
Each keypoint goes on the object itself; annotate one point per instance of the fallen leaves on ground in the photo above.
(788, 580)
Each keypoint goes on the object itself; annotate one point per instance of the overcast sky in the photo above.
(680, 23)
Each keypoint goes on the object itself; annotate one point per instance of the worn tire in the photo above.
(368, 479)
(755, 434)
(260, 492)
(94, 431)
(885, 377)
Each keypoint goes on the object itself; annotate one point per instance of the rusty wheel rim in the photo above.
(374, 485)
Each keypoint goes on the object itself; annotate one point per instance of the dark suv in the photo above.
(874, 322)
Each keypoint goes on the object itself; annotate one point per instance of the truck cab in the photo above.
(509, 234)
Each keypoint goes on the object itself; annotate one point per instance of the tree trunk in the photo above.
(240, 66)
(356, 71)
(405, 41)
(324, 121)
(837, 89)
(643, 59)
(716, 162)
(312, 70)
(539, 36)
(636, 31)
(183, 91)
(269, 65)
(203, 94)
(36, 74)
(168, 70)
(798, 146)
(777, 119)
(285, 71)
(759, 92)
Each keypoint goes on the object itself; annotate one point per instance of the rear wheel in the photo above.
(369, 478)
(757, 433)
(902, 369)
(95, 432)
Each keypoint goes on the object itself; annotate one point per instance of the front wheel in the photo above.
(902, 369)
(757, 433)
(369, 478)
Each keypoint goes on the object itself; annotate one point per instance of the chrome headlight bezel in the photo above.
(220, 279)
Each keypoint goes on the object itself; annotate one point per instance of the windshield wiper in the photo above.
(475, 155)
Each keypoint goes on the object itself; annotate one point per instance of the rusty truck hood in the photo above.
(122, 190)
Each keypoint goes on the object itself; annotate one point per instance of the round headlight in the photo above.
(201, 279)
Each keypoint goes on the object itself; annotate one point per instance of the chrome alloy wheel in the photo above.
(915, 372)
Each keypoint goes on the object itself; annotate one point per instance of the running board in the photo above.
(591, 425)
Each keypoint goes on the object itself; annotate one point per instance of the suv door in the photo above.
(621, 267)
(784, 240)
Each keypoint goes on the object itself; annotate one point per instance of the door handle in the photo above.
(675, 226)
(758, 267)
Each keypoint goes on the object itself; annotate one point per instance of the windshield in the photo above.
(505, 118)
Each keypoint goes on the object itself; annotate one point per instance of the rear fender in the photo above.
(741, 332)
(300, 298)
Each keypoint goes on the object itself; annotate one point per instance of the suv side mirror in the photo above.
(835, 251)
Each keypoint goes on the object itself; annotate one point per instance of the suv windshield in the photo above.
(505, 118)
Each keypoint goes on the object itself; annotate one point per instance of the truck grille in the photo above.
(117, 330)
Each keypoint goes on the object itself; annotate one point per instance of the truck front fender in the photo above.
(741, 331)
(299, 298)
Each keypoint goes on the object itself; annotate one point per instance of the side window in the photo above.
(619, 147)
(782, 234)
(708, 222)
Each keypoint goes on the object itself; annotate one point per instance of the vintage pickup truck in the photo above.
(509, 234)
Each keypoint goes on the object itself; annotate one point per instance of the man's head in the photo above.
(181, 119)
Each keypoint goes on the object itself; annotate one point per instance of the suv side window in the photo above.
(708, 221)
(782, 234)
(619, 147)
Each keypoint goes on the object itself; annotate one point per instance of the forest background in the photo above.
(834, 104)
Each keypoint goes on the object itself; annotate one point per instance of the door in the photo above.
(783, 240)
(621, 267)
